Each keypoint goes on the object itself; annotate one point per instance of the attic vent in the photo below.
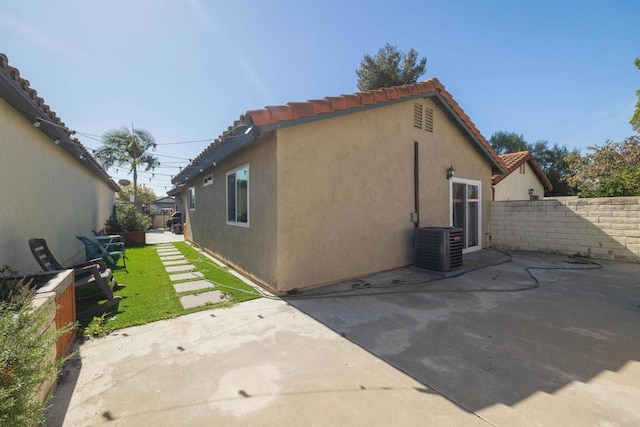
(417, 116)
(428, 119)
(422, 117)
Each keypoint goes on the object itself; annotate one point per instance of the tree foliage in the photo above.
(128, 148)
(635, 120)
(552, 159)
(508, 142)
(612, 170)
(145, 194)
(390, 67)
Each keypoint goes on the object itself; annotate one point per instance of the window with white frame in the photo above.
(192, 198)
(238, 196)
(207, 180)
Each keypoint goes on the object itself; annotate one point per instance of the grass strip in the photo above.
(235, 289)
(149, 294)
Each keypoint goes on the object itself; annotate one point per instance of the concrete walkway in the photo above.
(162, 235)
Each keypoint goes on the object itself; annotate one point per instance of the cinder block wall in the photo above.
(606, 228)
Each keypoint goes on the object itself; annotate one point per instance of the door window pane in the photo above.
(459, 210)
(473, 209)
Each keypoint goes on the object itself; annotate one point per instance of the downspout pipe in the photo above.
(416, 185)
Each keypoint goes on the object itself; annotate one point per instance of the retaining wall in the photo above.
(606, 228)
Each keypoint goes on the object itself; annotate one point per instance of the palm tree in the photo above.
(124, 147)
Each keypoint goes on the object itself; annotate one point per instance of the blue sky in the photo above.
(185, 70)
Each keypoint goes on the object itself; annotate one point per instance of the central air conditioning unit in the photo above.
(439, 248)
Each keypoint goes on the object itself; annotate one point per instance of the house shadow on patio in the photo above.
(492, 336)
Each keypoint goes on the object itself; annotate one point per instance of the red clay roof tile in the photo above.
(379, 96)
(301, 109)
(338, 102)
(366, 98)
(514, 160)
(353, 101)
(390, 92)
(321, 106)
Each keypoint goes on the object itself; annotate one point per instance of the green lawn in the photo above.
(149, 295)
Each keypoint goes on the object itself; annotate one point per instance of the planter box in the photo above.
(134, 238)
(56, 289)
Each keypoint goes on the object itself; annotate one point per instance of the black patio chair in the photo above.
(92, 275)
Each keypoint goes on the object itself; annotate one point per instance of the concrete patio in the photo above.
(485, 348)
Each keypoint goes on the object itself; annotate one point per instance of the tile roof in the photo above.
(18, 93)
(292, 113)
(514, 160)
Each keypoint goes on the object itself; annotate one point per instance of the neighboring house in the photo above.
(160, 210)
(524, 179)
(315, 192)
(53, 187)
(163, 205)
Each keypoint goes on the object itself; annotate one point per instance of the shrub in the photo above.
(12, 290)
(25, 357)
(113, 225)
(127, 218)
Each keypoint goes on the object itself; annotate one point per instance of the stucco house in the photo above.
(57, 188)
(310, 193)
(523, 180)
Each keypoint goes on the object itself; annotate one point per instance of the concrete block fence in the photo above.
(605, 228)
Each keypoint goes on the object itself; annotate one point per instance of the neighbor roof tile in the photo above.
(514, 160)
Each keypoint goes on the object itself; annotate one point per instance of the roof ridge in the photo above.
(329, 104)
(291, 111)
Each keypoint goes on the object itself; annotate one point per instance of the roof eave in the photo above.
(225, 148)
(17, 97)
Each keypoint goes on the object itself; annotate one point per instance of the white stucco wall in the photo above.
(45, 193)
(516, 185)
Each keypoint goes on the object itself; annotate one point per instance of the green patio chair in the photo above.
(110, 238)
(110, 252)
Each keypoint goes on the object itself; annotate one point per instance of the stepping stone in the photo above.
(176, 268)
(192, 286)
(185, 276)
(169, 253)
(176, 262)
(165, 245)
(171, 257)
(205, 298)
